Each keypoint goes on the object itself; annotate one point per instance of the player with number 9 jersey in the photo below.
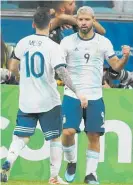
(85, 60)
(85, 57)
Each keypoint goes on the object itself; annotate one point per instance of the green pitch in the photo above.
(44, 183)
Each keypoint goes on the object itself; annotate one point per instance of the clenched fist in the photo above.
(126, 50)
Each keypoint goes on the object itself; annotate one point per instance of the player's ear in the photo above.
(62, 9)
(33, 25)
(94, 20)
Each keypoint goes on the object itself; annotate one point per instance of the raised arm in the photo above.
(61, 20)
(118, 64)
(71, 20)
(99, 28)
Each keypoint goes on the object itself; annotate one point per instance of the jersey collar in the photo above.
(41, 35)
(86, 39)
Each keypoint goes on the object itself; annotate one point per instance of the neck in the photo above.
(86, 36)
(42, 32)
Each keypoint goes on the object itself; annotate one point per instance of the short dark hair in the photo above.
(56, 4)
(46, 4)
(41, 18)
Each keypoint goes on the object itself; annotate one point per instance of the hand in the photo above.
(106, 85)
(126, 50)
(17, 78)
(83, 100)
(4, 74)
(65, 26)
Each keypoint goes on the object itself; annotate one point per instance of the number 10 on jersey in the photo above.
(30, 64)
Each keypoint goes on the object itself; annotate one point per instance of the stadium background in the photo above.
(116, 166)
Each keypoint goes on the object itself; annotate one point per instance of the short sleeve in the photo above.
(109, 51)
(19, 50)
(57, 57)
(64, 46)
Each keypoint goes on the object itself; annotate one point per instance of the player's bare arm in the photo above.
(118, 64)
(64, 76)
(61, 20)
(67, 19)
(54, 23)
(99, 28)
(71, 20)
(13, 66)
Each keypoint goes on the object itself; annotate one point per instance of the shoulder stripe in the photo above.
(112, 56)
(14, 56)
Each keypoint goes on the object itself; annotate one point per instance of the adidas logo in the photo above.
(76, 49)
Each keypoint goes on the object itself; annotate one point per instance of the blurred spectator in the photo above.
(124, 77)
(6, 77)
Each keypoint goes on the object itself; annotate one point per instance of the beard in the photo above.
(85, 30)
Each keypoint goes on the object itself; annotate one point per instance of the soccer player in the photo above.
(39, 99)
(64, 17)
(64, 11)
(85, 52)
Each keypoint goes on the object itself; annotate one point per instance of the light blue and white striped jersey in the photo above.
(85, 60)
(39, 57)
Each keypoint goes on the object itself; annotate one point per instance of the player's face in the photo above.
(85, 22)
(70, 7)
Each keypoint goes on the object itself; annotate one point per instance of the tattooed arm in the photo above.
(64, 76)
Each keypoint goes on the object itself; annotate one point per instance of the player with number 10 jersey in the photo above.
(39, 56)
